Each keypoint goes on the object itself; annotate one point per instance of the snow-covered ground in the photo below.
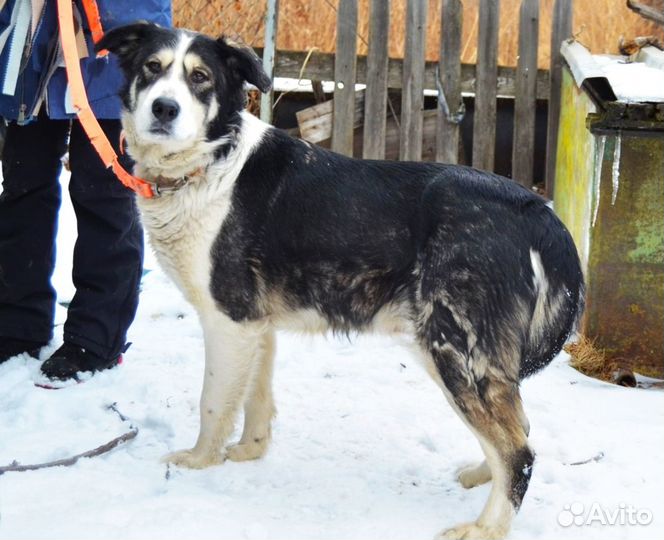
(365, 446)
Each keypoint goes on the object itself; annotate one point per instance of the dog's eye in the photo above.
(153, 66)
(199, 76)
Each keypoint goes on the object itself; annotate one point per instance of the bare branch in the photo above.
(646, 12)
(66, 462)
(596, 458)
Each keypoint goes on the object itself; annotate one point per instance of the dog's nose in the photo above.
(165, 109)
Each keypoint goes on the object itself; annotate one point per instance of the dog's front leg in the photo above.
(231, 349)
(258, 407)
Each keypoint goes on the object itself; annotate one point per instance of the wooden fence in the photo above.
(449, 77)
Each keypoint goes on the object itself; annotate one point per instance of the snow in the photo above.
(632, 82)
(364, 445)
(285, 84)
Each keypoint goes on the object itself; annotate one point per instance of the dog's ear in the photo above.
(245, 62)
(126, 41)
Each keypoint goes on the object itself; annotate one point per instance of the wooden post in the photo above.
(317, 89)
(412, 97)
(484, 124)
(375, 112)
(345, 62)
(561, 29)
(447, 133)
(523, 149)
(271, 19)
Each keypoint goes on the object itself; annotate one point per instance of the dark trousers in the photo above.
(108, 254)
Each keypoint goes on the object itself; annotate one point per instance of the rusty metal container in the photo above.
(609, 191)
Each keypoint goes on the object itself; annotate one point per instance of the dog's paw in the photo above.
(474, 475)
(471, 531)
(247, 451)
(193, 459)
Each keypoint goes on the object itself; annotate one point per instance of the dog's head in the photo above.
(181, 87)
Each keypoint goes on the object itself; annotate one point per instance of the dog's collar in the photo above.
(162, 184)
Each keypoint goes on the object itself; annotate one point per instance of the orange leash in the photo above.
(94, 22)
(80, 99)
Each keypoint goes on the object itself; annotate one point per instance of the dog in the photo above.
(263, 231)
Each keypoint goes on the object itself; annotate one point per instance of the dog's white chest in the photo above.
(182, 228)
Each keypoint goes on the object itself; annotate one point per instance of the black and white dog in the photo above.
(262, 231)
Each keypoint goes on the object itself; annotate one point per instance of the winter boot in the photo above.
(69, 360)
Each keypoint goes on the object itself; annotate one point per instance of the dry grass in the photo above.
(241, 20)
(304, 24)
(594, 362)
(587, 358)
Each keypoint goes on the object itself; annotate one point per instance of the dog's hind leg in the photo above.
(491, 408)
(484, 391)
(480, 473)
(232, 351)
(258, 408)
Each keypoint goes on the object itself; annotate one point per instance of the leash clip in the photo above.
(178, 184)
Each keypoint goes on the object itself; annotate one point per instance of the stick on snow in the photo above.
(596, 458)
(66, 462)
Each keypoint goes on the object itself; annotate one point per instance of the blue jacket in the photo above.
(102, 76)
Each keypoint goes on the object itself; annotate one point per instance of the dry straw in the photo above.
(593, 361)
(305, 24)
(588, 359)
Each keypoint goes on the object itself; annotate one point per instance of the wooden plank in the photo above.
(412, 90)
(271, 21)
(392, 135)
(484, 125)
(447, 134)
(344, 76)
(560, 31)
(523, 149)
(375, 113)
(315, 122)
(321, 67)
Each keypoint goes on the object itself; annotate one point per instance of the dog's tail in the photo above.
(558, 287)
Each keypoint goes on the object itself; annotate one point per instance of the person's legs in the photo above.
(29, 205)
(108, 255)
